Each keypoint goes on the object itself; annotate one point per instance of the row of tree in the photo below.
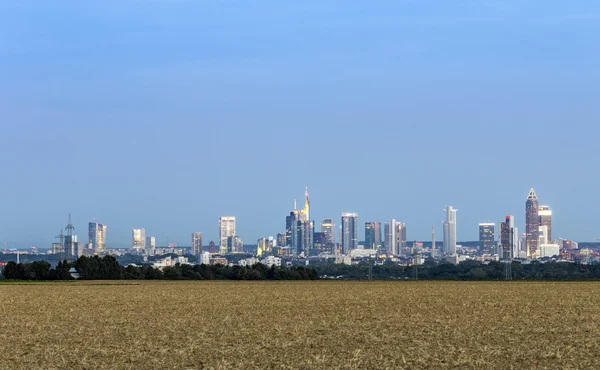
(108, 268)
(469, 270)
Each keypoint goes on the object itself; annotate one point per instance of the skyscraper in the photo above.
(349, 232)
(545, 215)
(532, 224)
(290, 225)
(372, 235)
(401, 238)
(226, 229)
(487, 237)
(328, 227)
(390, 230)
(150, 245)
(450, 231)
(97, 236)
(138, 240)
(196, 243)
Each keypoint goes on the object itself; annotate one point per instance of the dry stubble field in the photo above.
(307, 325)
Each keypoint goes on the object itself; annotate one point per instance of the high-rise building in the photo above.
(543, 235)
(532, 224)
(401, 239)
(138, 239)
(487, 237)
(235, 244)
(507, 238)
(369, 235)
(373, 235)
(150, 246)
(319, 244)
(226, 229)
(281, 240)
(349, 232)
(97, 236)
(545, 215)
(328, 227)
(390, 229)
(196, 243)
(290, 226)
(450, 231)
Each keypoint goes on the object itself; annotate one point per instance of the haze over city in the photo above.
(166, 115)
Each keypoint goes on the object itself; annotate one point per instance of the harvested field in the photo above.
(307, 325)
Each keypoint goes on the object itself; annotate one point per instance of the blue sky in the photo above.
(168, 114)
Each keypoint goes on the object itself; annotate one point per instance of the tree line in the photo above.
(108, 268)
(468, 270)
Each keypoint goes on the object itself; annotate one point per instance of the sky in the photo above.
(168, 114)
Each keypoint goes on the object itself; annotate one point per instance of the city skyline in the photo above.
(545, 216)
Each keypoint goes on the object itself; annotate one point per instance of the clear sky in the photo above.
(168, 114)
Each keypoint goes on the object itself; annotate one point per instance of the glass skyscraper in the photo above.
(349, 232)
(532, 224)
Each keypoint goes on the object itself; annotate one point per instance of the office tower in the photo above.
(507, 238)
(226, 229)
(302, 237)
(290, 224)
(150, 246)
(196, 243)
(138, 239)
(349, 232)
(545, 215)
(97, 236)
(450, 231)
(306, 210)
(543, 235)
(486, 237)
(320, 244)
(390, 229)
(281, 240)
(401, 239)
(532, 223)
(262, 246)
(328, 227)
(235, 244)
(371, 235)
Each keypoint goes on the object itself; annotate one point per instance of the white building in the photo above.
(450, 231)
(549, 250)
(205, 258)
(271, 261)
(138, 239)
(226, 229)
(363, 253)
(150, 245)
(389, 230)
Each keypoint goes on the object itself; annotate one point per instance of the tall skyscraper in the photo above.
(532, 224)
(450, 231)
(328, 227)
(401, 239)
(390, 230)
(545, 215)
(290, 225)
(150, 246)
(226, 229)
(138, 240)
(196, 243)
(373, 235)
(97, 236)
(349, 232)
(487, 237)
(319, 244)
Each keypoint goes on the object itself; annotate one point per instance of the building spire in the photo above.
(307, 205)
(532, 195)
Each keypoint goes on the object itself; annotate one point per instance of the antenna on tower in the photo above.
(69, 239)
